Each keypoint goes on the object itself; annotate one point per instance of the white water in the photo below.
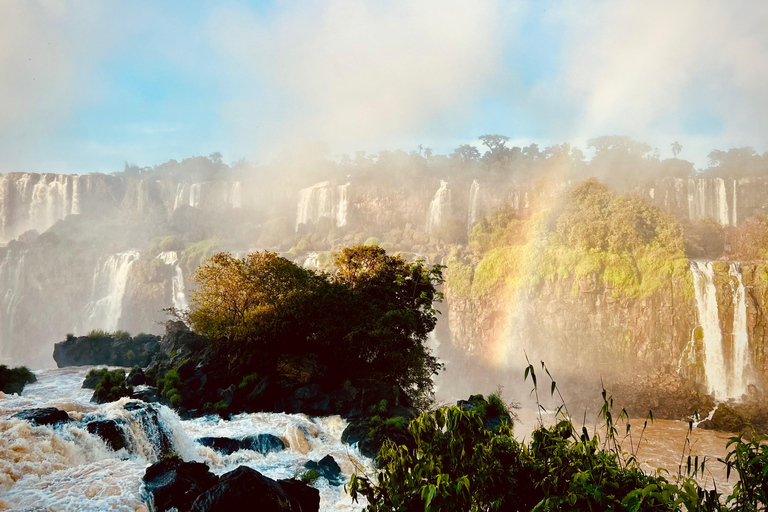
(68, 469)
(110, 280)
(323, 200)
(722, 203)
(473, 203)
(740, 335)
(708, 197)
(735, 209)
(236, 195)
(437, 207)
(178, 290)
(11, 292)
(706, 303)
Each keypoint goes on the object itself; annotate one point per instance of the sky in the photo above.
(86, 86)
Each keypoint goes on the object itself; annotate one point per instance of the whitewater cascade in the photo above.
(740, 336)
(236, 195)
(706, 303)
(179, 295)
(187, 193)
(472, 215)
(437, 206)
(323, 200)
(708, 197)
(723, 380)
(109, 283)
(11, 293)
(67, 468)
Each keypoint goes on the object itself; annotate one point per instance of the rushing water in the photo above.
(474, 193)
(437, 207)
(66, 468)
(110, 280)
(323, 200)
(706, 303)
(178, 290)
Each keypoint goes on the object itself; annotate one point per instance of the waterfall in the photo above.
(473, 200)
(436, 207)
(109, 283)
(194, 195)
(320, 201)
(722, 203)
(180, 190)
(236, 195)
(341, 211)
(740, 358)
(706, 303)
(179, 295)
(11, 292)
(76, 195)
(735, 187)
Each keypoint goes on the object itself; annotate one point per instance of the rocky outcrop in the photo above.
(44, 416)
(109, 431)
(261, 443)
(98, 349)
(175, 484)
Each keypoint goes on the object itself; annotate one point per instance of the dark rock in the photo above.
(136, 377)
(13, 380)
(44, 416)
(109, 431)
(307, 392)
(146, 415)
(107, 349)
(327, 467)
(174, 483)
(180, 340)
(262, 443)
(728, 419)
(319, 406)
(148, 395)
(302, 496)
(244, 489)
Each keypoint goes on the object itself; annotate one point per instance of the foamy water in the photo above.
(66, 468)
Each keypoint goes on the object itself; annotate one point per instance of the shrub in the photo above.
(13, 380)
(111, 387)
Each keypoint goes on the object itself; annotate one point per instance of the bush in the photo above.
(13, 380)
(111, 387)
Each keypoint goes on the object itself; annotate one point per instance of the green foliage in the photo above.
(111, 387)
(368, 321)
(170, 387)
(13, 380)
(70, 336)
(248, 380)
(309, 476)
(221, 408)
(301, 246)
(195, 254)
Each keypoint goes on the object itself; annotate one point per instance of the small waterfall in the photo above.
(722, 203)
(321, 201)
(436, 207)
(180, 192)
(236, 195)
(177, 282)
(735, 188)
(76, 195)
(341, 211)
(740, 359)
(194, 195)
(109, 283)
(706, 303)
(473, 203)
(12, 288)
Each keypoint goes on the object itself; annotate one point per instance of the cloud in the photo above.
(645, 66)
(352, 72)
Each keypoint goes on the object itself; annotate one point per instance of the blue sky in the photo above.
(88, 85)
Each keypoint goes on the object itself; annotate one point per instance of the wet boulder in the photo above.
(44, 416)
(245, 489)
(109, 431)
(136, 377)
(174, 483)
(146, 416)
(148, 394)
(261, 443)
(328, 468)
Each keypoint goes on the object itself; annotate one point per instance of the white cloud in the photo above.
(351, 72)
(641, 66)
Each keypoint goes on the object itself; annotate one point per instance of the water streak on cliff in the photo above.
(740, 358)
(109, 284)
(11, 293)
(437, 207)
(709, 320)
(179, 295)
(472, 215)
(323, 200)
(236, 195)
(341, 213)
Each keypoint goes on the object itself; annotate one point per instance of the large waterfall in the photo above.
(723, 380)
(708, 197)
(11, 293)
(472, 214)
(179, 295)
(437, 207)
(323, 200)
(109, 283)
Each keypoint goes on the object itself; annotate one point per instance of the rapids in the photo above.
(65, 468)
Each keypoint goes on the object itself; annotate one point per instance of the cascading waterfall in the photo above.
(473, 203)
(194, 195)
(436, 207)
(722, 203)
(740, 336)
(708, 197)
(341, 211)
(706, 303)
(735, 217)
(11, 292)
(177, 282)
(236, 195)
(109, 283)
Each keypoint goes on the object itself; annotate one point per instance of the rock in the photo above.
(146, 415)
(13, 380)
(148, 394)
(44, 416)
(307, 392)
(302, 496)
(136, 377)
(180, 340)
(244, 489)
(726, 418)
(223, 445)
(106, 349)
(261, 443)
(93, 378)
(174, 483)
(327, 467)
(109, 431)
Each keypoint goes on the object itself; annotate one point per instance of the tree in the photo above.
(216, 157)
(676, 148)
(466, 153)
(495, 143)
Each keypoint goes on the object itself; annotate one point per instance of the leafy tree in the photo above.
(676, 148)
(466, 153)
